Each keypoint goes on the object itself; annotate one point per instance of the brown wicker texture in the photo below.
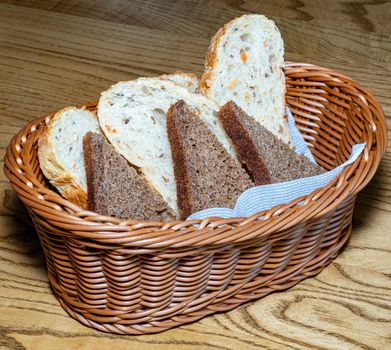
(143, 277)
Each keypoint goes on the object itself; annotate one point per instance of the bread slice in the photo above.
(244, 64)
(187, 80)
(132, 115)
(267, 158)
(206, 175)
(60, 152)
(115, 188)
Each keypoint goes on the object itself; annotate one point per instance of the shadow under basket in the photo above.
(134, 277)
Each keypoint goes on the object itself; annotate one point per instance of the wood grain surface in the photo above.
(57, 53)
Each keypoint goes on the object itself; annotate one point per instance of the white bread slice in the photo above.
(187, 80)
(244, 64)
(132, 115)
(60, 152)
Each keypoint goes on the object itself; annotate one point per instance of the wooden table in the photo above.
(57, 53)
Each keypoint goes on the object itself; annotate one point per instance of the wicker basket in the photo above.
(143, 277)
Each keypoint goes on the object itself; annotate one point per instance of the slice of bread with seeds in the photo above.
(132, 115)
(60, 152)
(206, 175)
(244, 64)
(268, 159)
(115, 188)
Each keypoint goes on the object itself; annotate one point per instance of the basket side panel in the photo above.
(91, 284)
(58, 261)
(123, 278)
(333, 113)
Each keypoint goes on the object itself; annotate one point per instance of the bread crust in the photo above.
(193, 79)
(211, 58)
(244, 145)
(184, 194)
(89, 166)
(54, 171)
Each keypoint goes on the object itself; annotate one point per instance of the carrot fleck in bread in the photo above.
(206, 175)
(115, 188)
(265, 156)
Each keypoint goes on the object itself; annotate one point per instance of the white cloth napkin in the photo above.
(264, 197)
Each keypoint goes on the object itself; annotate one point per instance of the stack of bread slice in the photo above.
(165, 147)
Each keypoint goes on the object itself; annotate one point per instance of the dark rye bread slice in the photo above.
(206, 175)
(115, 188)
(261, 152)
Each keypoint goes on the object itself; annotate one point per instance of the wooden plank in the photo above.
(65, 58)
(192, 16)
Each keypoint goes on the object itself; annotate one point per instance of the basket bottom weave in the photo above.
(312, 268)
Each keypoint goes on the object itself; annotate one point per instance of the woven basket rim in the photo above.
(90, 225)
